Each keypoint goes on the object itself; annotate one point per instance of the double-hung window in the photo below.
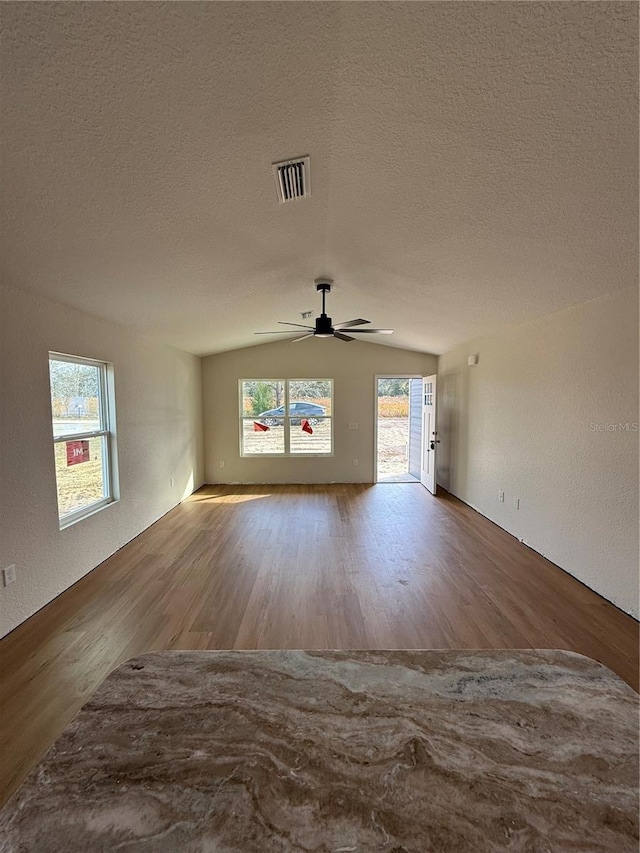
(83, 435)
(286, 417)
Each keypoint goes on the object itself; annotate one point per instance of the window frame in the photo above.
(286, 418)
(105, 433)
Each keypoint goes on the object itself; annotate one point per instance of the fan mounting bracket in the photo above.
(323, 285)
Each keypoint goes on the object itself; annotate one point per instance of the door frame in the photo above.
(375, 411)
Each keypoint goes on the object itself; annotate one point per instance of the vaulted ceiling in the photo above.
(473, 165)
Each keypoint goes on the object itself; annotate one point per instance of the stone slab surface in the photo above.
(348, 752)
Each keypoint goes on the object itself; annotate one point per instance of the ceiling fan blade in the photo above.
(295, 340)
(343, 337)
(285, 323)
(351, 323)
(371, 331)
(278, 332)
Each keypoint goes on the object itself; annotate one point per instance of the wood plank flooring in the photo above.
(339, 566)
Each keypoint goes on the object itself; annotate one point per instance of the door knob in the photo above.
(434, 442)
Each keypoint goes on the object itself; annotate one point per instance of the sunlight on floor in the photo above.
(226, 499)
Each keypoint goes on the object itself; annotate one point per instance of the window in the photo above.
(286, 417)
(83, 438)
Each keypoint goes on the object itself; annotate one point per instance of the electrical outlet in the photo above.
(221, 463)
(353, 425)
(501, 496)
(516, 503)
(355, 463)
(9, 575)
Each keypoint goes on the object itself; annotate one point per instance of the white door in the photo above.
(429, 435)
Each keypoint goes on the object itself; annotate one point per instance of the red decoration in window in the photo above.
(77, 451)
(258, 427)
(306, 427)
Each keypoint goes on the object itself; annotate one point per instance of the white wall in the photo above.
(528, 419)
(352, 366)
(159, 435)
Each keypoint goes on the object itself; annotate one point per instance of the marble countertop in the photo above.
(347, 752)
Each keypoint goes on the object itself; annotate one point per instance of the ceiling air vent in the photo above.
(293, 179)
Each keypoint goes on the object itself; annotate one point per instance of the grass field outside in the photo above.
(272, 440)
(81, 484)
(393, 446)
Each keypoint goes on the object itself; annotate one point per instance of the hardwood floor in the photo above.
(385, 566)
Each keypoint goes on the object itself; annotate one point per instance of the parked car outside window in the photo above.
(297, 409)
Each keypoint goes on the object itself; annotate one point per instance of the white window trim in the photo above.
(106, 433)
(286, 426)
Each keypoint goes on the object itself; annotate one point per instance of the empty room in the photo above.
(319, 426)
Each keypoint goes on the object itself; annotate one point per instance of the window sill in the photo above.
(286, 455)
(80, 515)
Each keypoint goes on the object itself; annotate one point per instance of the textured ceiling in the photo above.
(473, 164)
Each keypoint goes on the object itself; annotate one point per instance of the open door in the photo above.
(430, 439)
(398, 429)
